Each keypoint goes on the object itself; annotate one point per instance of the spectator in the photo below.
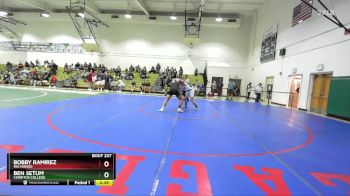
(107, 82)
(34, 75)
(153, 70)
(230, 88)
(214, 87)
(158, 67)
(90, 78)
(181, 71)
(53, 81)
(137, 69)
(196, 72)
(45, 79)
(32, 64)
(131, 69)
(20, 66)
(258, 91)
(249, 89)
(100, 83)
(9, 66)
(133, 86)
(26, 64)
(121, 85)
(118, 72)
(143, 73)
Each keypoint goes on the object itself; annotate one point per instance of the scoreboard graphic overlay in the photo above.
(61, 168)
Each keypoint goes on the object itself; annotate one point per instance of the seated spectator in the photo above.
(133, 86)
(158, 67)
(129, 75)
(46, 63)
(173, 73)
(32, 64)
(145, 87)
(6, 78)
(20, 66)
(113, 85)
(53, 81)
(137, 69)
(100, 83)
(34, 77)
(77, 66)
(65, 69)
(45, 79)
(121, 85)
(153, 70)
(118, 72)
(167, 70)
(143, 73)
(9, 66)
(73, 82)
(26, 64)
(131, 69)
(107, 82)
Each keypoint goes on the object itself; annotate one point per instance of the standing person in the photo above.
(214, 87)
(258, 91)
(174, 89)
(188, 92)
(249, 89)
(90, 77)
(231, 87)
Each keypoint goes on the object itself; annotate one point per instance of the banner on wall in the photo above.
(268, 45)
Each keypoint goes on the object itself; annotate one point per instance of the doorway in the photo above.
(269, 87)
(294, 91)
(320, 92)
(237, 91)
(216, 85)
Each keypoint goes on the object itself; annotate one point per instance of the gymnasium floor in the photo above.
(224, 148)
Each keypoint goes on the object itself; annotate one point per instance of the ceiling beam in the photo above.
(142, 6)
(92, 7)
(37, 5)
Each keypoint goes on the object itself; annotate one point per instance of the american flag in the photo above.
(301, 13)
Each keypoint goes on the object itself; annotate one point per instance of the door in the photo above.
(320, 92)
(294, 91)
(269, 87)
(216, 85)
(237, 91)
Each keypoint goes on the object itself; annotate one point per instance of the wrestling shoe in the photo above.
(161, 109)
(180, 110)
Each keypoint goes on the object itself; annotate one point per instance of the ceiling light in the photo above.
(127, 16)
(218, 19)
(3, 13)
(89, 40)
(45, 15)
(81, 14)
(173, 18)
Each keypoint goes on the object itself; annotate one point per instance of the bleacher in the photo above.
(151, 78)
